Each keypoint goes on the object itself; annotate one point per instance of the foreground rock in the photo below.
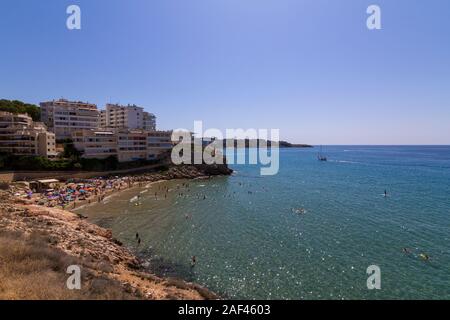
(84, 244)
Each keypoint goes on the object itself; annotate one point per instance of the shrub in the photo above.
(14, 162)
(70, 152)
(108, 164)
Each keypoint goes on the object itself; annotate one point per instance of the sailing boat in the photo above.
(320, 155)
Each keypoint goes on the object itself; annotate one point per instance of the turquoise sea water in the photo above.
(250, 244)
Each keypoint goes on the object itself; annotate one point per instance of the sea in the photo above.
(315, 230)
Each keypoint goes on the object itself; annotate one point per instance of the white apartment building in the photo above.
(64, 117)
(149, 121)
(158, 143)
(98, 143)
(132, 145)
(126, 144)
(103, 119)
(19, 135)
(127, 117)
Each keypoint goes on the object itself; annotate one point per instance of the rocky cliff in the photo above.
(37, 244)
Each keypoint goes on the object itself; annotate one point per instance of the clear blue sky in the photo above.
(308, 67)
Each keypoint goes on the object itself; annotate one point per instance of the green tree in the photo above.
(16, 106)
(70, 152)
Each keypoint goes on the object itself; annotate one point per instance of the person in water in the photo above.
(194, 260)
(424, 257)
(385, 193)
(137, 235)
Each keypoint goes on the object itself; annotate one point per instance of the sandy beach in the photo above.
(73, 194)
(26, 216)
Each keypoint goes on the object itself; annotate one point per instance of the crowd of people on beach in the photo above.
(74, 192)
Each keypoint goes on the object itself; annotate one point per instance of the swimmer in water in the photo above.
(424, 257)
(194, 261)
(406, 251)
(385, 193)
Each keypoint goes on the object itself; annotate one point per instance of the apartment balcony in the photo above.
(18, 150)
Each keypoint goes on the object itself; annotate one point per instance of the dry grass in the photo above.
(31, 269)
(4, 186)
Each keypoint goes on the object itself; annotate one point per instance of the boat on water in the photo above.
(321, 156)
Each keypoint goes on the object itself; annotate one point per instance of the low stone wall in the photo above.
(11, 176)
(6, 177)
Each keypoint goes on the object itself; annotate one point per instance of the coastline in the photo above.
(95, 248)
(135, 185)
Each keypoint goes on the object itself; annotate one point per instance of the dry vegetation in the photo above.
(37, 244)
(31, 269)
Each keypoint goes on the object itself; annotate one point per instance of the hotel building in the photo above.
(103, 119)
(149, 121)
(98, 143)
(132, 145)
(63, 117)
(127, 117)
(158, 143)
(118, 116)
(19, 135)
(126, 144)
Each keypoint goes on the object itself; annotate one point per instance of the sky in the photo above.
(310, 68)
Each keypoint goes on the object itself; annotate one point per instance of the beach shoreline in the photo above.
(114, 193)
(75, 193)
(81, 239)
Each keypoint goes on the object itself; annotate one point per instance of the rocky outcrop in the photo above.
(185, 172)
(93, 248)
